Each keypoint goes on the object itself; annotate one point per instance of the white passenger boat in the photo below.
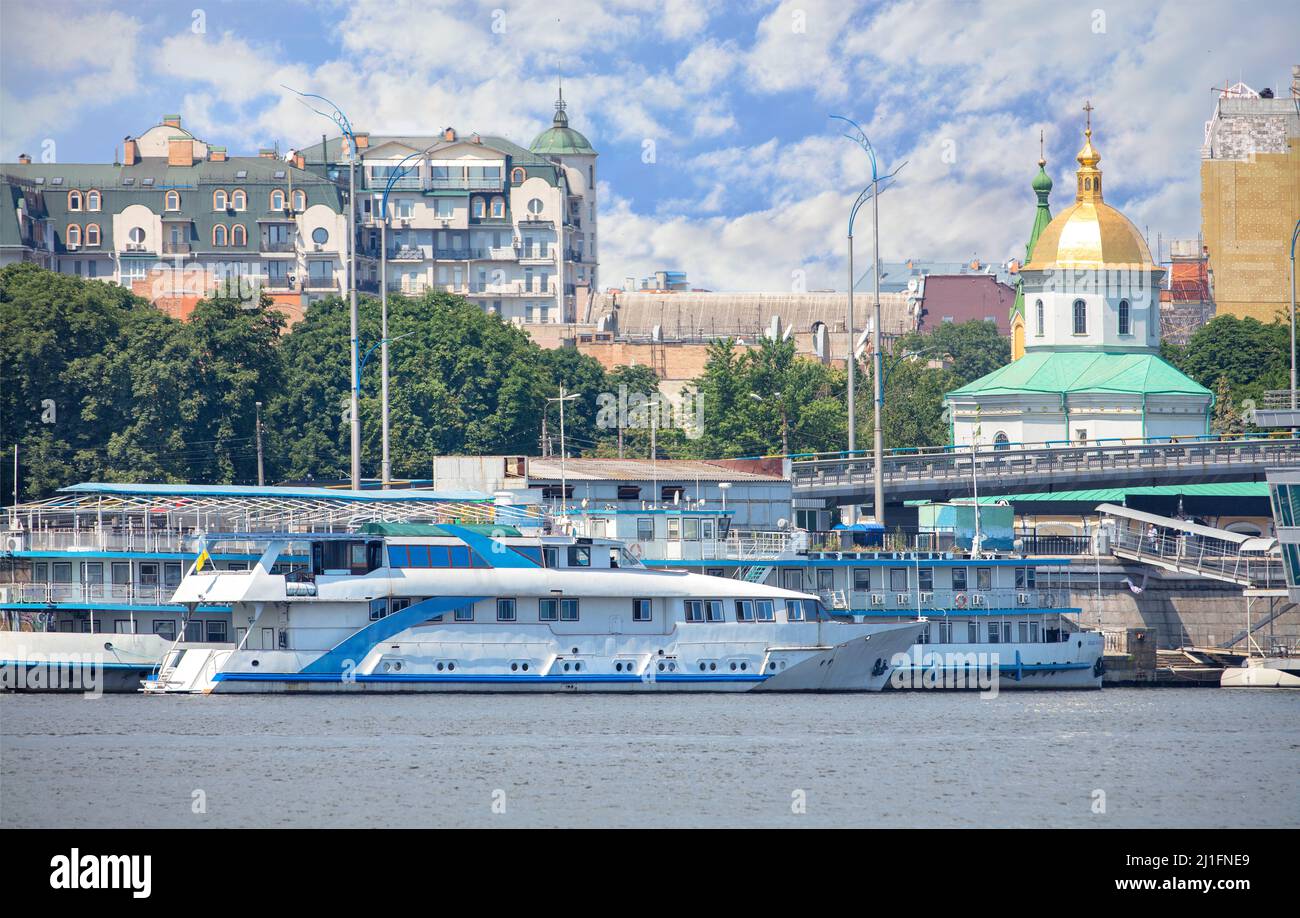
(403, 608)
(1263, 672)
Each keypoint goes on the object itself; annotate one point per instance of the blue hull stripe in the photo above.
(143, 667)
(1005, 667)
(495, 679)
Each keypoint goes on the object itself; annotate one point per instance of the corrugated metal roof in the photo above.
(665, 470)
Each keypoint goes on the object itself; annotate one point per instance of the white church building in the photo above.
(1091, 369)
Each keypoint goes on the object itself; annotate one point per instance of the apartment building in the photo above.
(176, 219)
(512, 229)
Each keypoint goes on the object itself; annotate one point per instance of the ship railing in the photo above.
(154, 594)
(737, 546)
(96, 539)
(1009, 602)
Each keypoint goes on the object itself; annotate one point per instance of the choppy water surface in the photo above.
(1162, 757)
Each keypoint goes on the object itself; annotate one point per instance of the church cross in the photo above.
(1087, 108)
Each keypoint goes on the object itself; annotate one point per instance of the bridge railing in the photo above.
(1279, 400)
(989, 462)
(1192, 552)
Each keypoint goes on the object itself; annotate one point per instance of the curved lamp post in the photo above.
(871, 193)
(340, 120)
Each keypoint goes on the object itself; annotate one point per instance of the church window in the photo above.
(1001, 440)
(1080, 317)
(1038, 318)
(1125, 318)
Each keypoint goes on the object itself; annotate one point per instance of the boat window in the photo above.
(694, 610)
(898, 579)
(691, 530)
(925, 577)
(531, 552)
(1006, 632)
(551, 557)
(399, 556)
(674, 528)
(972, 633)
(505, 610)
(959, 579)
(438, 556)
(626, 559)
(861, 579)
(706, 530)
(378, 608)
(579, 556)
(568, 610)
(1025, 578)
(148, 573)
(763, 610)
(744, 610)
(714, 610)
(548, 609)
(165, 629)
(645, 530)
(460, 556)
(464, 614)
(794, 610)
(1022, 631)
(945, 632)
(995, 633)
(171, 573)
(983, 578)
(1033, 632)
(642, 610)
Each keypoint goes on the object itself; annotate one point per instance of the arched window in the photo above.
(476, 208)
(238, 235)
(92, 234)
(219, 234)
(299, 200)
(517, 175)
(277, 199)
(1125, 318)
(1038, 318)
(93, 200)
(74, 234)
(498, 207)
(1080, 317)
(220, 201)
(1001, 440)
(239, 200)
(172, 201)
(74, 200)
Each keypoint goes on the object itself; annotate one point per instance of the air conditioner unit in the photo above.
(1022, 599)
(978, 600)
(877, 599)
(72, 246)
(927, 597)
(904, 598)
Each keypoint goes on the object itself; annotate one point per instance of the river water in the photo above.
(1118, 757)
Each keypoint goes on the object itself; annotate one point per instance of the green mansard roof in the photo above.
(1083, 371)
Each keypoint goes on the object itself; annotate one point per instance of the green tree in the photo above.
(1250, 355)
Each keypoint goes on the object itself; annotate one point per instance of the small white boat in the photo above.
(1263, 672)
(407, 608)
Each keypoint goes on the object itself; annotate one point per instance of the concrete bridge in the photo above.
(949, 472)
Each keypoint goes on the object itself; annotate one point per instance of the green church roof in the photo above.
(560, 139)
(1042, 185)
(1083, 371)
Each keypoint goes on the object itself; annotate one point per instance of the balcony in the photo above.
(498, 253)
(466, 184)
(176, 248)
(320, 283)
(536, 256)
(278, 283)
(277, 246)
(406, 253)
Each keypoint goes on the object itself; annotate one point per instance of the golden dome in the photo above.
(1090, 233)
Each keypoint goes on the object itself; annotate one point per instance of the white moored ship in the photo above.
(402, 608)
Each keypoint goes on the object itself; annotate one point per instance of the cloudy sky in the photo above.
(718, 156)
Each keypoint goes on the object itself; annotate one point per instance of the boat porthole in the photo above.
(618, 667)
(397, 666)
(566, 667)
(772, 665)
(733, 666)
(575, 650)
(672, 667)
(451, 666)
(525, 667)
(661, 667)
(255, 663)
(744, 666)
(514, 667)
(109, 645)
(388, 667)
(713, 666)
(577, 667)
(439, 667)
(702, 667)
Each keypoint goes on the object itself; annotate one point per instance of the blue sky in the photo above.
(749, 183)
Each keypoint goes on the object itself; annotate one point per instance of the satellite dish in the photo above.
(783, 524)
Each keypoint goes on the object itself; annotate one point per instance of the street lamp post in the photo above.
(341, 121)
(564, 481)
(872, 192)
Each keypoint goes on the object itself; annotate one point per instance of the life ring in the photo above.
(635, 550)
(961, 600)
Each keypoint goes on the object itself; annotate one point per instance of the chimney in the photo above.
(266, 154)
(172, 120)
(449, 134)
(130, 152)
(363, 140)
(25, 159)
(299, 161)
(180, 151)
(217, 154)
